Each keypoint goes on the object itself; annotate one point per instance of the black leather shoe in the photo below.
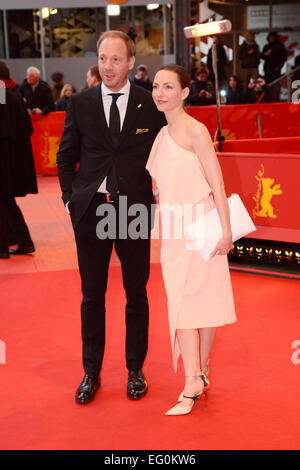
(137, 386)
(4, 254)
(22, 250)
(87, 389)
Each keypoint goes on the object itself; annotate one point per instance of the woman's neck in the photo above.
(175, 116)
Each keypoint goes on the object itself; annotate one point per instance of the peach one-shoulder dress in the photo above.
(199, 293)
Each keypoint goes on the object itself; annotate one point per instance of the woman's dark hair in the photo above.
(183, 76)
(238, 84)
(4, 70)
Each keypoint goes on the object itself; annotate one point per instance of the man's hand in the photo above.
(37, 111)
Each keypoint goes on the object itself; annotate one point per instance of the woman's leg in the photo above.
(189, 344)
(207, 338)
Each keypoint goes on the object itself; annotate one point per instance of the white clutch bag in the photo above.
(205, 232)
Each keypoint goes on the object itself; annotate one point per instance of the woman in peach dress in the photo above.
(187, 173)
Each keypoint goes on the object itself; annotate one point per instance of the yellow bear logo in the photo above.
(264, 194)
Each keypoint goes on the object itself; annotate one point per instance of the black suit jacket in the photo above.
(86, 140)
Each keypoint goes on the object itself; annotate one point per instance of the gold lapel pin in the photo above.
(139, 105)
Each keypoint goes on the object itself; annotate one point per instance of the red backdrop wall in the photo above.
(265, 172)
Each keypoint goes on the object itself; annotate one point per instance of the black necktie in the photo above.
(114, 127)
(114, 118)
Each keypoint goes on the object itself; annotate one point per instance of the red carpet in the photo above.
(253, 403)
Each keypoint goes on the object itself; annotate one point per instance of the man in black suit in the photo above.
(109, 131)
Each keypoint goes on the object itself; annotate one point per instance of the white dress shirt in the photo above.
(122, 106)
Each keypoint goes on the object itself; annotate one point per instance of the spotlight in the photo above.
(113, 10)
(207, 29)
(47, 11)
(152, 6)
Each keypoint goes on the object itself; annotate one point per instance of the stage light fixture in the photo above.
(207, 29)
(113, 10)
(212, 28)
(46, 12)
(152, 6)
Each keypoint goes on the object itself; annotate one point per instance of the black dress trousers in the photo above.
(93, 259)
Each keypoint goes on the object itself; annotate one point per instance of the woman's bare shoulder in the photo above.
(196, 128)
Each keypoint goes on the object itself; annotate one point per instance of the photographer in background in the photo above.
(257, 91)
(201, 92)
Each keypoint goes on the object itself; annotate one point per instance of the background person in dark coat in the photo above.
(93, 76)
(235, 93)
(296, 75)
(249, 56)
(66, 92)
(9, 82)
(17, 172)
(36, 93)
(141, 78)
(221, 63)
(58, 84)
(257, 92)
(274, 54)
(201, 93)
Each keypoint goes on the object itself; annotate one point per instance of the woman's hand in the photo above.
(223, 246)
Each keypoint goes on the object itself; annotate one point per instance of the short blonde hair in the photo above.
(120, 35)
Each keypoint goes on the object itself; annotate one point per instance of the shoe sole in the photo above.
(19, 254)
(137, 397)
